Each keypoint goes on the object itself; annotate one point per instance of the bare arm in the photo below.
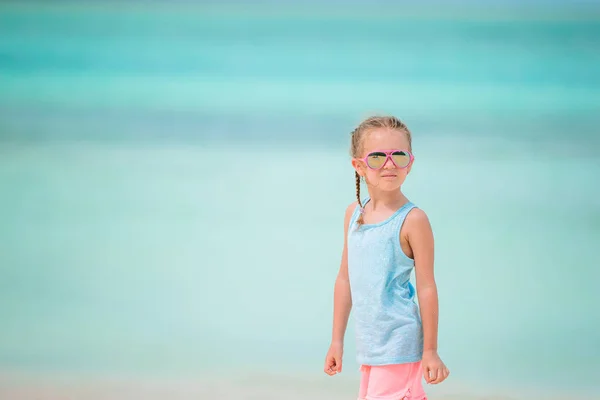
(342, 301)
(342, 304)
(420, 239)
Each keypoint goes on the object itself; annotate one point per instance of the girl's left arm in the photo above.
(420, 239)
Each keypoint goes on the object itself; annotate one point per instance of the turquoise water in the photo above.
(173, 186)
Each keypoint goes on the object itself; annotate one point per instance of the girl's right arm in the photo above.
(342, 304)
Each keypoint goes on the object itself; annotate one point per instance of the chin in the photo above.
(389, 186)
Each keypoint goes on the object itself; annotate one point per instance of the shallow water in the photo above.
(172, 194)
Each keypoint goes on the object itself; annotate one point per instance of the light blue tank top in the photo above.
(387, 321)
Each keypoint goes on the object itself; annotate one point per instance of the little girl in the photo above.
(386, 236)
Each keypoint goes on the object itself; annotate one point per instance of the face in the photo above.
(387, 170)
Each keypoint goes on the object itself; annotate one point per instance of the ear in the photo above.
(358, 167)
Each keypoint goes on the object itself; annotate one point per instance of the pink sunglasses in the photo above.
(377, 159)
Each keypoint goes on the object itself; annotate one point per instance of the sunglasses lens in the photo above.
(376, 160)
(401, 158)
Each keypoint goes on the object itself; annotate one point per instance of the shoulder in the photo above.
(417, 220)
(417, 215)
(349, 211)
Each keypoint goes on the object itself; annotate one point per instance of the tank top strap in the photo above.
(399, 219)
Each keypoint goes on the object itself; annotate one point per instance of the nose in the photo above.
(389, 164)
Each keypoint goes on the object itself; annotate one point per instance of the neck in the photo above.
(386, 199)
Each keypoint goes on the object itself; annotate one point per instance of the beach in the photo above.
(250, 386)
(173, 180)
(132, 273)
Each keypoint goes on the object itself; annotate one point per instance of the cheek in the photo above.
(371, 173)
(403, 173)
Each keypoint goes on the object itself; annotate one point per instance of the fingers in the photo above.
(426, 374)
(438, 376)
(433, 375)
(332, 366)
(441, 375)
(446, 372)
(329, 366)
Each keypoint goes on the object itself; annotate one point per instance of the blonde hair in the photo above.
(358, 134)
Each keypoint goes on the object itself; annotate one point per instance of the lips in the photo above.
(388, 176)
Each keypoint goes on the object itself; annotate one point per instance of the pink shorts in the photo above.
(392, 382)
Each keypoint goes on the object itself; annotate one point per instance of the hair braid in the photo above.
(360, 217)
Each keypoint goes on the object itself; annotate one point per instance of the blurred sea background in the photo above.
(174, 175)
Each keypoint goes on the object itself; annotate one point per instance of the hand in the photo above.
(434, 370)
(333, 360)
